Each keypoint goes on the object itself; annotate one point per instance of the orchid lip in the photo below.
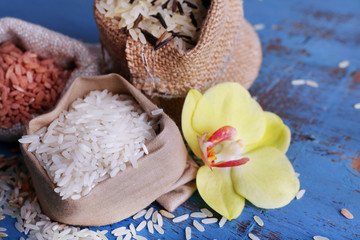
(221, 159)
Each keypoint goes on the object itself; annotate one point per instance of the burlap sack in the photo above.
(167, 173)
(228, 50)
(46, 44)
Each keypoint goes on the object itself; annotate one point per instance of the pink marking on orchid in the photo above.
(222, 158)
(232, 163)
(223, 134)
(204, 147)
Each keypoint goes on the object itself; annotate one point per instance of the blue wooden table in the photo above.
(301, 40)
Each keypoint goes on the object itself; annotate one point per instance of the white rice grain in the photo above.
(160, 220)
(188, 233)
(154, 217)
(198, 226)
(141, 226)
(138, 237)
(344, 64)
(320, 238)
(222, 222)
(149, 213)
(132, 229)
(209, 220)
(312, 83)
(157, 111)
(139, 214)
(150, 227)
(207, 212)
(298, 82)
(253, 237)
(259, 221)
(259, 26)
(181, 218)
(300, 194)
(357, 106)
(159, 229)
(198, 215)
(128, 236)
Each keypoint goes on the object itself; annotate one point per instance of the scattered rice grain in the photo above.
(320, 238)
(259, 26)
(132, 229)
(188, 233)
(154, 217)
(166, 214)
(222, 222)
(181, 218)
(149, 213)
(357, 106)
(160, 220)
(141, 226)
(346, 213)
(198, 215)
(259, 221)
(253, 237)
(312, 83)
(138, 237)
(150, 227)
(300, 194)
(298, 82)
(209, 220)
(198, 226)
(139, 214)
(207, 212)
(344, 64)
(159, 229)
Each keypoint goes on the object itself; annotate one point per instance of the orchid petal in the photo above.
(222, 134)
(189, 133)
(268, 180)
(229, 104)
(216, 189)
(277, 135)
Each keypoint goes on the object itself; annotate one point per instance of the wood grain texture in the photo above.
(301, 40)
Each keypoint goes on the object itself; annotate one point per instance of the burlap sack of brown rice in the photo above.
(165, 174)
(227, 49)
(67, 53)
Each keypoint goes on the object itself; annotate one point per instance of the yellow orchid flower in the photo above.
(243, 148)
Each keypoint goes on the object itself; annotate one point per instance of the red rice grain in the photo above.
(28, 84)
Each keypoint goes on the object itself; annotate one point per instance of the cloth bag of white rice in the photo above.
(224, 48)
(165, 173)
(66, 53)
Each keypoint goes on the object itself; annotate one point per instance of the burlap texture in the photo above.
(47, 44)
(228, 50)
(167, 173)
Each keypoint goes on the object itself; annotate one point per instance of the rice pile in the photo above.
(96, 138)
(178, 21)
(28, 84)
